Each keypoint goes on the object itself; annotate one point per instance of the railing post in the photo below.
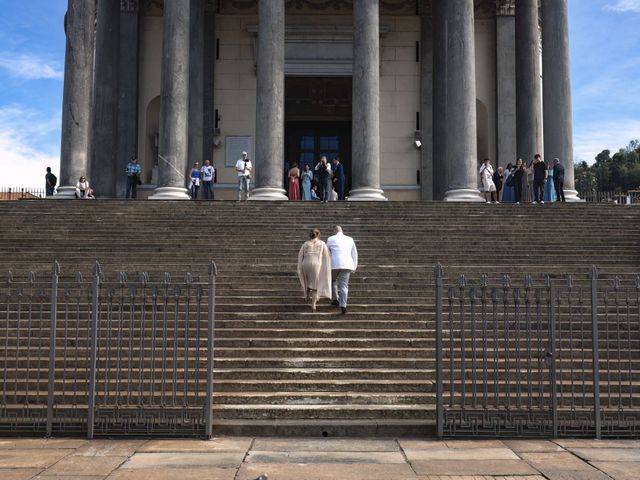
(439, 376)
(55, 277)
(551, 355)
(596, 354)
(213, 273)
(93, 348)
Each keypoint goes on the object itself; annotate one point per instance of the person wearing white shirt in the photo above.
(344, 262)
(244, 168)
(324, 173)
(486, 174)
(207, 173)
(83, 190)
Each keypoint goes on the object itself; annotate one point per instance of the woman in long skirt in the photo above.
(549, 188)
(314, 269)
(508, 191)
(294, 182)
(307, 181)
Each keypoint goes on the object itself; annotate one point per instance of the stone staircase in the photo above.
(281, 369)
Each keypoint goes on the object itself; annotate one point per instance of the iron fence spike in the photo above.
(31, 278)
(528, 281)
(78, 277)
(188, 278)
(97, 269)
(462, 281)
(484, 280)
(56, 268)
(122, 278)
(616, 282)
(9, 277)
(167, 279)
(506, 281)
(213, 268)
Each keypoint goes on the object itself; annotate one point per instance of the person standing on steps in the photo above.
(133, 172)
(207, 173)
(519, 180)
(194, 181)
(486, 174)
(244, 169)
(539, 179)
(50, 182)
(344, 262)
(339, 177)
(558, 179)
(294, 182)
(324, 172)
(307, 181)
(314, 269)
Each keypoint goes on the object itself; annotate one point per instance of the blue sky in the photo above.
(605, 42)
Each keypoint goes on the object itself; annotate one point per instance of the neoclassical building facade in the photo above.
(411, 94)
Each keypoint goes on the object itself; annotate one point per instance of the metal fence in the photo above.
(21, 193)
(538, 357)
(107, 356)
(631, 197)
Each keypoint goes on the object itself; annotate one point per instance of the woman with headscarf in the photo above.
(314, 269)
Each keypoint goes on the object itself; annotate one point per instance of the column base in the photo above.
(463, 195)
(170, 193)
(367, 194)
(65, 193)
(268, 194)
(572, 196)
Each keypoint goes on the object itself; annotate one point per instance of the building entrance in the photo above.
(317, 122)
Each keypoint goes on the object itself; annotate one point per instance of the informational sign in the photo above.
(234, 148)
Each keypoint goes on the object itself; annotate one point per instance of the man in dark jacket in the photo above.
(558, 179)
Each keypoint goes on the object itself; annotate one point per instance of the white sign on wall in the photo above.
(234, 147)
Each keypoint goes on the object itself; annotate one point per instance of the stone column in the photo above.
(460, 100)
(209, 121)
(102, 176)
(269, 159)
(558, 121)
(426, 102)
(127, 92)
(196, 83)
(528, 81)
(366, 102)
(78, 91)
(439, 119)
(174, 102)
(506, 86)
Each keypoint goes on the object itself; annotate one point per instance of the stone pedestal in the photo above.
(269, 159)
(457, 70)
(102, 176)
(558, 121)
(528, 83)
(366, 102)
(78, 88)
(174, 102)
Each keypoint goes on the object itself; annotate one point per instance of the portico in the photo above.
(435, 87)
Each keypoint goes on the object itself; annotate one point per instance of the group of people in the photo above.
(202, 177)
(324, 269)
(325, 183)
(538, 182)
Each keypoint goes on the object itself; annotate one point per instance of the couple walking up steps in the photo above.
(320, 265)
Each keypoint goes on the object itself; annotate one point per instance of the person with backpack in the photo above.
(50, 182)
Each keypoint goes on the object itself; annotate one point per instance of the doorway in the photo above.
(317, 122)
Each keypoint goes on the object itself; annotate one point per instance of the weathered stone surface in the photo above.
(366, 102)
(87, 466)
(598, 443)
(270, 102)
(78, 94)
(473, 467)
(414, 443)
(29, 459)
(474, 444)
(620, 470)
(326, 471)
(540, 446)
(230, 444)
(321, 445)
(46, 476)
(18, 473)
(40, 443)
(324, 457)
(461, 454)
(185, 460)
(562, 466)
(608, 454)
(207, 473)
(114, 448)
(174, 98)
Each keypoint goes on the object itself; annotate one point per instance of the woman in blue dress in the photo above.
(307, 179)
(508, 192)
(549, 188)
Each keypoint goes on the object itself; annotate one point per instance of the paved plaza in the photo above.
(318, 459)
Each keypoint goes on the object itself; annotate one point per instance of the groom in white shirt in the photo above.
(344, 261)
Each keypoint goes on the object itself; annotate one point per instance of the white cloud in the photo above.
(29, 67)
(29, 143)
(592, 138)
(625, 6)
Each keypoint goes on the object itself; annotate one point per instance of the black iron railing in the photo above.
(107, 356)
(538, 357)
